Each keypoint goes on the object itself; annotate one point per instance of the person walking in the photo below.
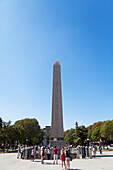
(67, 158)
(55, 150)
(63, 157)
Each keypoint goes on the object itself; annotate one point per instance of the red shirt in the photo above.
(55, 151)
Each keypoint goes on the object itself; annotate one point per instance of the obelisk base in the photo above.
(58, 144)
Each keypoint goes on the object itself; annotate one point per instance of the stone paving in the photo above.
(101, 162)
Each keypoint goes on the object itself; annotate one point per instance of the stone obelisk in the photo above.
(57, 131)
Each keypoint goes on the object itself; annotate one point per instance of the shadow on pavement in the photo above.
(107, 156)
(37, 161)
(75, 169)
(48, 163)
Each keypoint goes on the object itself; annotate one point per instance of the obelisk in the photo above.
(57, 131)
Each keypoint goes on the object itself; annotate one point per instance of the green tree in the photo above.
(6, 133)
(0, 122)
(40, 136)
(47, 137)
(107, 130)
(81, 134)
(90, 133)
(35, 140)
(69, 136)
(19, 133)
(31, 130)
(96, 135)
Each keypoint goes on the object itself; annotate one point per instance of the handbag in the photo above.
(70, 158)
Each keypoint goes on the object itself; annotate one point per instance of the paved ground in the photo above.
(10, 162)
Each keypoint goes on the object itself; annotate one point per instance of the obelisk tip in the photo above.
(57, 62)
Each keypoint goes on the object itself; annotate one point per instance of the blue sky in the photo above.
(33, 34)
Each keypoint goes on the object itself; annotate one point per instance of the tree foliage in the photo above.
(0, 122)
(81, 133)
(107, 130)
(26, 131)
(32, 131)
(96, 135)
(101, 131)
(69, 136)
(76, 136)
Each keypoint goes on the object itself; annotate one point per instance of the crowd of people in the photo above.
(31, 151)
(46, 154)
(64, 156)
(95, 150)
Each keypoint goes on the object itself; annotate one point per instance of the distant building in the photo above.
(46, 130)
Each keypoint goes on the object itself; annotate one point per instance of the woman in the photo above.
(33, 151)
(42, 155)
(48, 153)
(63, 157)
(68, 158)
(19, 152)
(94, 151)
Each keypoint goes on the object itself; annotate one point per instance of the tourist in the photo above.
(100, 149)
(22, 152)
(67, 158)
(94, 151)
(19, 152)
(63, 157)
(48, 153)
(33, 151)
(46, 156)
(55, 155)
(42, 147)
(42, 155)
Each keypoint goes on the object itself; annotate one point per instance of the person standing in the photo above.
(67, 158)
(63, 157)
(22, 150)
(94, 151)
(48, 153)
(33, 151)
(42, 155)
(100, 149)
(55, 150)
(45, 151)
(19, 152)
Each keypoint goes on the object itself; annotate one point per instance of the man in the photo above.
(100, 148)
(55, 150)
